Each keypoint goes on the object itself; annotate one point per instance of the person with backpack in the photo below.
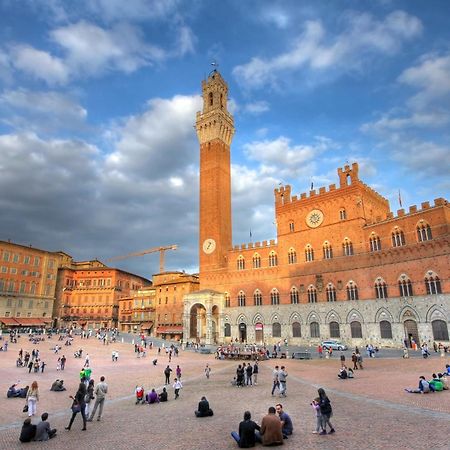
(326, 410)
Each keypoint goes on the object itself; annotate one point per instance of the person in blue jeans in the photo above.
(248, 432)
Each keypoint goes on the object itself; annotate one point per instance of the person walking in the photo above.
(255, 373)
(89, 396)
(207, 371)
(326, 411)
(178, 372)
(78, 406)
(86, 360)
(100, 391)
(282, 375)
(63, 362)
(167, 372)
(276, 382)
(177, 386)
(32, 398)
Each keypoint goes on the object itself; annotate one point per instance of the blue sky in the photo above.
(98, 154)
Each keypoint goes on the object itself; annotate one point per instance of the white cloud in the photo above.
(275, 15)
(40, 64)
(362, 36)
(5, 67)
(186, 41)
(258, 107)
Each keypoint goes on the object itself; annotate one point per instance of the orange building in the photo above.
(137, 313)
(88, 293)
(342, 266)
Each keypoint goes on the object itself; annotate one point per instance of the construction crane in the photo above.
(161, 251)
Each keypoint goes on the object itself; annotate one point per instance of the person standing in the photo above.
(282, 375)
(355, 361)
(255, 373)
(86, 360)
(100, 391)
(78, 406)
(207, 371)
(275, 380)
(89, 396)
(63, 362)
(178, 372)
(167, 372)
(271, 429)
(249, 371)
(325, 410)
(177, 386)
(32, 398)
(286, 421)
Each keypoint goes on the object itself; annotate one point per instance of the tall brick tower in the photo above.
(215, 129)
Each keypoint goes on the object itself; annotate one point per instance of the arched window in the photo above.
(314, 329)
(405, 286)
(256, 261)
(398, 238)
(227, 300)
(356, 330)
(294, 295)
(241, 298)
(312, 294)
(227, 330)
(433, 284)
(331, 293)
(342, 214)
(210, 95)
(440, 330)
(380, 288)
(327, 250)
(375, 243)
(335, 332)
(273, 259)
(296, 329)
(274, 297)
(352, 291)
(276, 329)
(291, 226)
(257, 298)
(347, 247)
(385, 329)
(33, 288)
(240, 263)
(292, 256)
(423, 232)
(23, 286)
(309, 253)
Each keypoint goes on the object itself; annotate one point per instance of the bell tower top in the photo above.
(215, 122)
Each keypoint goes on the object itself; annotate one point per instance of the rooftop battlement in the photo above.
(255, 245)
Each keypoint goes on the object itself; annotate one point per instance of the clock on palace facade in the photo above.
(314, 218)
(209, 245)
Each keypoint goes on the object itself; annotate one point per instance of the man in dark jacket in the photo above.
(248, 432)
(28, 431)
(203, 408)
(43, 430)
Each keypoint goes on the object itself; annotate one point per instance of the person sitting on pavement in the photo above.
(436, 383)
(248, 432)
(342, 373)
(14, 392)
(28, 431)
(287, 427)
(444, 380)
(350, 373)
(203, 409)
(424, 387)
(163, 396)
(152, 397)
(271, 429)
(43, 430)
(57, 386)
(139, 391)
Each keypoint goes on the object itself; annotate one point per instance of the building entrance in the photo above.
(411, 332)
(242, 332)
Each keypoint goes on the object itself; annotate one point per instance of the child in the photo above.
(316, 406)
(177, 386)
(139, 391)
(350, 373)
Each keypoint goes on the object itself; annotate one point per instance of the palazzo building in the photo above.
(342, 265)
(137, 312)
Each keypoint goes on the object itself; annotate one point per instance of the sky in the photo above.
(98, 151)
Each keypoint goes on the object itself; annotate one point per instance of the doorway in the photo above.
(411, 332)
(243, 332)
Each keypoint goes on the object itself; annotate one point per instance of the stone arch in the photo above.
(295, 317)
(241, 318)
(436, 313)
(258, 318)
(354, 315)
(313, 316)
(333, 316)
(408, 313)
(275, 317)
(383, 314)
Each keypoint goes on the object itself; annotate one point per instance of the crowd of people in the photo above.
(438, 382)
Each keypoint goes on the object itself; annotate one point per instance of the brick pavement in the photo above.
(371, 411)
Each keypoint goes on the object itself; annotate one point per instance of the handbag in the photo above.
(25, 408)
(76, 408)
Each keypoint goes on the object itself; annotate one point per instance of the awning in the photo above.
(175, 329)
(46, 320)
(9, 321)
(29, 321)
(146, 325)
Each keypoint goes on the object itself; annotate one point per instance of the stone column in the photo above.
(199, 325)
(186, 323)
(209, 338)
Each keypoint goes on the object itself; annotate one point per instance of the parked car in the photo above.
(334, 345)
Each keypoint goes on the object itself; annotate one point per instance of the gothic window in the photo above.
(292, 256)
(210, 95)
(356, 330)
(433, 284)
(385, 329)
(327, 250)
(22, 286)
(375, 243)
(405, 286)
(335, 332)
(273, 259)
(440, 330)
(256, 261)
(227, 330)
(331, 293)
(257, 298)
(398, 238)
(241, 298)
(227, 300)
(291, 226)
(347, 247)
(342, 214)
(274, 297)
(294, 295)
(296, 330)
(276, 329)
(309, 253)
(380, 288)
(424, 232)
(240, 263)
(312, 294)
(352, 291)
(314, 329)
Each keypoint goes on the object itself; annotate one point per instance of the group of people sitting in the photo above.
(151, 397)
(40, 432)
(58, 386)
(345, 373)
(437, 383)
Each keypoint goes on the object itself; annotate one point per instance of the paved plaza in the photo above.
(371, 411)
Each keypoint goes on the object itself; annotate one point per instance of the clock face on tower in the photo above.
(314, 218)
(209, 245)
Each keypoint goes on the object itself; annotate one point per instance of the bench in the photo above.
(301, 355)
(204, 350)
